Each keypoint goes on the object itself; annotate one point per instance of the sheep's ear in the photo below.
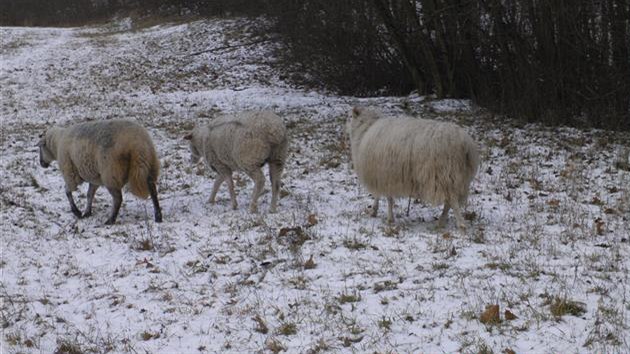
(356, 111)
(188, 137)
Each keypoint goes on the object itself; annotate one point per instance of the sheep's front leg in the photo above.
(259, 182)
(375, 207)
(157, 211)
(215, 188)
(274, 196)
(444, 217)
(73, 206)
(90, 198)
(230, 183)
(117, 196)
(390, 210)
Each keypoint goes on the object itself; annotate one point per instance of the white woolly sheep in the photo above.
(104, 153)
(408, 157)
(243, 142)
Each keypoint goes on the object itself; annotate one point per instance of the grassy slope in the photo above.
(548, 240)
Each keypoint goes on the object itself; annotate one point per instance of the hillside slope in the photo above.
(549, 213)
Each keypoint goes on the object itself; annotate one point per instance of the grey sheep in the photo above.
(103, 153)
(407, 157)
(243, 142)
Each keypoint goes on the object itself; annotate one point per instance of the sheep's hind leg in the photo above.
(215, 188)
(444, 217)
(230, 184)
(259, 182)
(73, 206)
(90, 198)
(458, 215)
(117, 196)
(275, 171)
(157, 211)
(390, 210)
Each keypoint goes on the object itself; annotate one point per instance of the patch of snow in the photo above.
(450, 105)
(548, 213)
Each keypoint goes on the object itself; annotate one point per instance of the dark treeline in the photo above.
(55, 12)
(80, 12)
(554, 61)
(559, 62)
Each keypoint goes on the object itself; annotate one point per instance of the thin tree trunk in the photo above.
(405, 50)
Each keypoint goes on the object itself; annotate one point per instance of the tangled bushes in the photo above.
(541, 61)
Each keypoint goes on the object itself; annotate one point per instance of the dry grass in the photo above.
(548, 235)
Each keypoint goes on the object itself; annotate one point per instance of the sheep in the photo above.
(407, 157)
(242, 142)
(103, 153)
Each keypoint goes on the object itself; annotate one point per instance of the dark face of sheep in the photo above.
(45, 156)
(42, 162)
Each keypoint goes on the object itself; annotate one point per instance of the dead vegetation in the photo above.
(548, 243)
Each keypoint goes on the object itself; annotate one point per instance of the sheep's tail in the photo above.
(473, 160)
(144, 166)
(277, 137)
(276, 161)
(471, 167)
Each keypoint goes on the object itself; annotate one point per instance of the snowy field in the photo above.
(549, 214)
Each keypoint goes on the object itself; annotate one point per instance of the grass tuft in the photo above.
(561, 306)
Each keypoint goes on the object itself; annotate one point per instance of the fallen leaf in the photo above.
(553, 202)
(600, 226)
(310, 263)
(509, 316)
(490, 315)
(312, 220)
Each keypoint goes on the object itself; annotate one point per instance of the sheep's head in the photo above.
(195, 156)
(360, 119)
(45, 154)
(354, 114)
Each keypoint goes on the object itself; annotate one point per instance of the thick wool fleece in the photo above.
(243, 142)
(425, 159)
(105, 153)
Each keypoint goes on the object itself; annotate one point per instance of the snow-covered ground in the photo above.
(549, 213)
